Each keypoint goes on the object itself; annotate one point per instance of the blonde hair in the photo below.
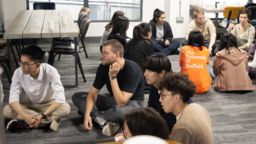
(85, 10)
(198, 11)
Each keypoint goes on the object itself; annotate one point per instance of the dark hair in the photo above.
(120, 25)
(195, 38)
(157, 13)
(34, 52)
(115, 15)
(178, 83)
(158, 62)
(245, 11)
(146, 121)
(228, 40)
(116, 46)
(141, 31)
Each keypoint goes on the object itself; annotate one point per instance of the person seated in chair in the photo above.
(43, 102)
(125, 83)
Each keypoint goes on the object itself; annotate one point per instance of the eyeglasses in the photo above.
(25, 64)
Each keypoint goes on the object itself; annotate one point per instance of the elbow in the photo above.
(122, 103)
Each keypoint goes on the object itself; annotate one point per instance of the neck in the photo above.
(180, 108)
(121, 62)
(35, 74)
(244, 25)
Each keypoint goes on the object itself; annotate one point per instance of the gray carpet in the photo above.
(233, 114)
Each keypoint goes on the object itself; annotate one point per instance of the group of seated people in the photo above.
(37, 97)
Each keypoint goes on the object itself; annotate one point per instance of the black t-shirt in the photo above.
(153, 102)
(130, 79)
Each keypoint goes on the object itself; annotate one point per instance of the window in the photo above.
(102, 10)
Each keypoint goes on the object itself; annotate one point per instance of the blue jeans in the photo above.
(171, 49)
(105, 107)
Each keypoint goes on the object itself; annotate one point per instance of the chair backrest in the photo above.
(84, 27)
(232, 12)
(252, 10)
(44, 5)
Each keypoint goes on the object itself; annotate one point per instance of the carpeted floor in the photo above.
(233, 114)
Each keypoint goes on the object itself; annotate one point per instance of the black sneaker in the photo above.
(110, 129)
(16, 125)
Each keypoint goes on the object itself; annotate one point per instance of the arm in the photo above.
(182, 58)
(168, 35)
(250, 38)
(212, 30)
(121, 97)
(90, 102)
(217, 66)
(182, 135)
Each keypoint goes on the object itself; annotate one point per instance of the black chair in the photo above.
(83, 30)
(44, 6)
(252, 17)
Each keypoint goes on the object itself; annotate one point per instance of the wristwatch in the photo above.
(44, 116)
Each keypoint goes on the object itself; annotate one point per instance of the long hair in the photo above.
(141, 31)
(228, 40)
(120, 25)
(157, 13)
(115, 15)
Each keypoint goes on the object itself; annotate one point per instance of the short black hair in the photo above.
(178, 83)
(146, 121)
(195, 38)
(34, 52)
(158, 62)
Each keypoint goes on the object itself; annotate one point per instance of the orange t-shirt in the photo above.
(194, 63)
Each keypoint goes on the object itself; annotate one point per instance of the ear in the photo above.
(162, 73)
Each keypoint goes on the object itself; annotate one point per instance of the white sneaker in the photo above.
(252, 64)
(110, 129)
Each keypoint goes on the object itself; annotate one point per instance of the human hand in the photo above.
(38, 120)
(114, 68)
(166, 42)
(30, 120)
(88, 123)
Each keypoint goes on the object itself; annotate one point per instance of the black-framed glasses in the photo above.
(26, 64)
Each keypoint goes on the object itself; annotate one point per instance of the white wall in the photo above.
(97, 28)
(11, 8)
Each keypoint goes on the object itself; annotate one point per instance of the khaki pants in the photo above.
(35, 109)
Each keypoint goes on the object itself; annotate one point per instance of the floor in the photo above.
(233, 114)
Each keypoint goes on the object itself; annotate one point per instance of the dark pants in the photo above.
(105, 107)
(171, 49)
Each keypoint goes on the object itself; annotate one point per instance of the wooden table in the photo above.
(41, 24)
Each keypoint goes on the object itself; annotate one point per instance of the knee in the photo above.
(8, 111)
(78, 97)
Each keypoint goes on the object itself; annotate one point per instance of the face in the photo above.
(126, 132)
(168, 100)
(161, 19)
(28, 66)
(200, 19)
(107, 56)
(243, 18)
(152, 77)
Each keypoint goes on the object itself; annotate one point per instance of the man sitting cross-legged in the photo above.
(125, 83)
(37, 96)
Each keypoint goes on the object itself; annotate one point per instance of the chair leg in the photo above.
(13, 53)
(7, 72)
(84, 47)
(80, 67)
